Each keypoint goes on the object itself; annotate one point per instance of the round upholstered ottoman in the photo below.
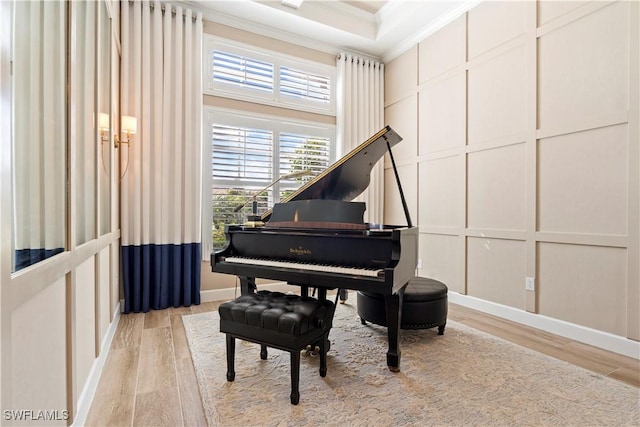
(424, 306)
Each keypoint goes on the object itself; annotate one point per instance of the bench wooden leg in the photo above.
(263, 352)
(231, 354)
(295, 377)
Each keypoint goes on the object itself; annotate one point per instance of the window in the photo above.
(304, 85)
(247, 153)
(239, 71)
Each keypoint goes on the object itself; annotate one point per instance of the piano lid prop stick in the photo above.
(395, 170)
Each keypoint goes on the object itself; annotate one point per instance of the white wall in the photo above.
(57, 316)
(520, 158)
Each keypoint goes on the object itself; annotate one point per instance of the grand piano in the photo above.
(317, 238)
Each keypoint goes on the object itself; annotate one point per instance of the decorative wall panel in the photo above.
(401, 76)
(589, 279)
(442, 112)
(442, 51)
(103, 277)
(550, 10)
(440, 192)
(583, 69)
(43, 316)
(493, 23)
(582, 182)
(496, 188)
(496, 270)
(393, 212)
(497, 97)
(441, 255)
(85, 323)
(402, 117)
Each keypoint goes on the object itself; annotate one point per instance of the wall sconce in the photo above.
(103, 125)
(129, 126)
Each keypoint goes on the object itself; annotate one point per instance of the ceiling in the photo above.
(380, 29)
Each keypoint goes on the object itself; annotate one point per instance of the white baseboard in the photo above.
(603, 340)
(91, 385)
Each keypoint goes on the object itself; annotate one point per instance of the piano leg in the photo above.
(394, 313)
(247, 285)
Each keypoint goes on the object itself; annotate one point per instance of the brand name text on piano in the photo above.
(299, 251)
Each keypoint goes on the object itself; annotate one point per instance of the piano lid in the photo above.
(347, 178)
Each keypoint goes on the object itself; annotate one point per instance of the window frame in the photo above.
(278, 59)
(277, 124)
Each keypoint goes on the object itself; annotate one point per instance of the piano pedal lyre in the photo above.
(312, 350)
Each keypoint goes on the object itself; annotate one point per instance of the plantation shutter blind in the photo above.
(239, 70)
(241, 162)
(302, 84)
(241, 154)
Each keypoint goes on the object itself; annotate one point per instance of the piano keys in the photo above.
(327, 268)
(318, 238)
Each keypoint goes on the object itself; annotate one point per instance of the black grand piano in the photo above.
(317, 238)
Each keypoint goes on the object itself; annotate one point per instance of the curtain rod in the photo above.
(163, 7)
(357, 60)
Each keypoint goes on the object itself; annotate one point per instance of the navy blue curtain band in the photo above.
(27, 257)
(160, 276)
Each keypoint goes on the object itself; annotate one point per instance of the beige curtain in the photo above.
(361, 114)
(161, 74)
(39, 119)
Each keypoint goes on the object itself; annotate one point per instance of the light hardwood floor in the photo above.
(149, 379)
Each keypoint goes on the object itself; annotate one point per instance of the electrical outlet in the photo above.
(419, 263)
(529, 284)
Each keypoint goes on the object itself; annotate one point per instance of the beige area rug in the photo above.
(464, 377)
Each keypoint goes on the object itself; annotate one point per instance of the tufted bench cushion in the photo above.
(273, 319)
(282, 320)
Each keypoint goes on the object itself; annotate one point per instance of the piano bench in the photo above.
(286, 322)
(424, 306)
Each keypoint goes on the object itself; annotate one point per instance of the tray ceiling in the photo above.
(380, 29)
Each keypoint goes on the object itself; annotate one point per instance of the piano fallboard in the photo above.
(368, 249)
(392, 251)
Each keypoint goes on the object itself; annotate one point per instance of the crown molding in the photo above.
(376, 35)
(396, 14)
(251, 26)
(336, 15)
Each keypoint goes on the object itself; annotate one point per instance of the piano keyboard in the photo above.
(309, 267)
